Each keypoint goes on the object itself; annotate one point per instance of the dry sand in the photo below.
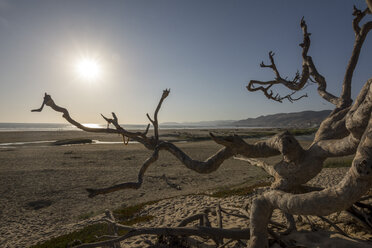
(42, 186)
(170, 212)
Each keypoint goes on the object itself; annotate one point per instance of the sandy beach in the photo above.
(56, 176)
(43, 186)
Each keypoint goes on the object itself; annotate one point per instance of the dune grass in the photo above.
(248, 134)
(238, 190)
(302, 131)
(338, 162)
(127, 216)
(86, 235)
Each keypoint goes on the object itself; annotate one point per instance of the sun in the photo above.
(88, 69)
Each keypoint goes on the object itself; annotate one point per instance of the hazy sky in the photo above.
(204, 50)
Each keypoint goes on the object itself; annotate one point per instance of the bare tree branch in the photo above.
(129, 185)
(333, 225)
(350, 121)
(258, 163)
(299, 81)
(155, 120)
(360, 36)
(137, 136)
(205, 232)
(360, 216)
(296, 84)
(358, 17)
(48, 101)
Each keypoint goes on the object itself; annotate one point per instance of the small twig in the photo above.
(219, 220)
(333, 225)
(126, 142)
(291, 224)
(206, 221)
(191, 219)
(114, 230)
(312, 226)
(359, 216)
(219, 216)
(277, 224)
(244, 215)
(42, 105)
(226, 243)
(299, 81)
(107, 237)
(363, 205)
(204, 232)
(279, 240)
(172, 185)
(199, 216)
(241, 243)
(155, 120)
(358, 17)
(364, 198)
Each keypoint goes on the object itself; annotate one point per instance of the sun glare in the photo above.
(88, 69)
(91, 125)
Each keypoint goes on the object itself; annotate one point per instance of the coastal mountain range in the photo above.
(296, 119)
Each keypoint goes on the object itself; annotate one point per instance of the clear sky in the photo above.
(204, 50)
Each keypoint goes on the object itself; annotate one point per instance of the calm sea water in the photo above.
(11, 127)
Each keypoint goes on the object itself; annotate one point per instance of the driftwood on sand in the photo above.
(346, 131)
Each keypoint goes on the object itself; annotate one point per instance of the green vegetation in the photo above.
(252, 135)
(86, 215)
(72, 141)
(338, 162)
(226, 192)
(245, 134)
(128, 213)
(127, 216)
(86, 235)
(185, 136)
(303, 131)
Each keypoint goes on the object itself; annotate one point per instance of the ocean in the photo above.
(14, 127)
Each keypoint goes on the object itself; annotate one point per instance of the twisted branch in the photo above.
(299, 81)
(354, 122)
(296, 84)
(155, 120)
(360, 35)
(283, 143)
(137, 136)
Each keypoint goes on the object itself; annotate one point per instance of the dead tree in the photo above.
(346, 131)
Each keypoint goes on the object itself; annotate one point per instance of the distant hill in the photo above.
(297, 119)
(199, 123)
